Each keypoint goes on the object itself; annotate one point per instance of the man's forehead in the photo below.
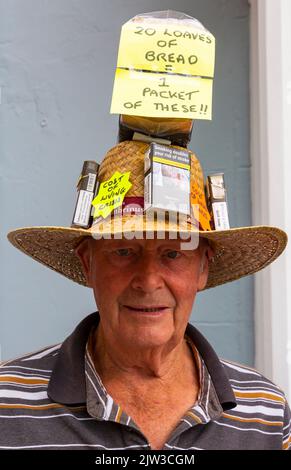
(149, 243)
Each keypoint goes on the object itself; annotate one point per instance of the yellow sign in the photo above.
(111, 194)
(161, 95)
(199, 206)
(170, 47)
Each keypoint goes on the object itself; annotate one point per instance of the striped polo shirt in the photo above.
(55, 399)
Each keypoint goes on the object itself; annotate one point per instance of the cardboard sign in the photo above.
(111, 194)
(199, 206)
(198, 200)
(161, 95)
(167, 47)
(165, 68)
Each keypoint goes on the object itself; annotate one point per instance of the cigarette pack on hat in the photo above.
(87, 187)
(167, 179)
(216, 200)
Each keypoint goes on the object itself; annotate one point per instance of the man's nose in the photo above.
(148, 276)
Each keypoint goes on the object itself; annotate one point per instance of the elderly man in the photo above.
(136, 374)
(139, 349)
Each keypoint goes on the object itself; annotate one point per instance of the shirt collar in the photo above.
(68, 383)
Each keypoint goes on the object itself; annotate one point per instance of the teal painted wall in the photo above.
(57, 62)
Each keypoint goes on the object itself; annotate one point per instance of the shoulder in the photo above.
(45, 356)
(246, 379)
(262, 411)
(27, 377)
(256, 396)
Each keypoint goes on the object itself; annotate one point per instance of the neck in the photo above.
(152, 369)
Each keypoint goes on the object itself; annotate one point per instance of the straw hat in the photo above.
(238, 251)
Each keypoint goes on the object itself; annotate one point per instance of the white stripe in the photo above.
(259, 409)
(188, 422)
(26, 355)
(249, 429)
(240, 369)
(259, 388)
(23, 375)
(183, 448)
(26, 386)
(41, 354)
(207, 397)
(97, 377)
(253, 382)
(75, 445)
(90, 360)
(201, 411)
(47, 417)
(26, 368)
(108, 409)
(258, 401)
(23, 395)
(287, 425)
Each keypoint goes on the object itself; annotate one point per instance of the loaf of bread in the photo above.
(176, 130)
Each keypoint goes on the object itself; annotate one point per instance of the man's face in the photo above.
(144, 289)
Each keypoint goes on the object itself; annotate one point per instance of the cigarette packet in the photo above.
(217, 202)
(167, 179)
(87, 186)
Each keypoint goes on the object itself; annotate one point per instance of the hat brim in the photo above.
(238, 251)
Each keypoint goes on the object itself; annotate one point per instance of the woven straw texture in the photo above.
(129, 156)
(238, 251)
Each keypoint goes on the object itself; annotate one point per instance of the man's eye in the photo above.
(123, 252)
(173, 254)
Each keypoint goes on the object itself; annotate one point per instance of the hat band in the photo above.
(134, 206)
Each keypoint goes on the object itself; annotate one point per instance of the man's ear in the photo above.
(206, 255)
(84, 253)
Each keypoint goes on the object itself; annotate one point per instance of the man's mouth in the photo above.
(156, 308)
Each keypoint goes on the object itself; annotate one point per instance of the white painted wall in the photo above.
(270, 88)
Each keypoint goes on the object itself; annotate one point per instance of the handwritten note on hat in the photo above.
(165, 68)
(111, 194)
